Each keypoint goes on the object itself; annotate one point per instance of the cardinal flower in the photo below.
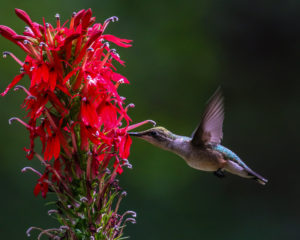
(74, 109)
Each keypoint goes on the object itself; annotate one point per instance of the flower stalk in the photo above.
(74, 109)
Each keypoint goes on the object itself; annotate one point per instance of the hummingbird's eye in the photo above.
(153, 133)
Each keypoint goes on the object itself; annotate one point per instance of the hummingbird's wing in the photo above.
(210, 130)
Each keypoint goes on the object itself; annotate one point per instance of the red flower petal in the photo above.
(63, 89)
(89, 115)
(48, 154)
(86, 18)
(78, 17)
(52, 80)
(120, 42)
(125, 147)
(36, 76)
(13, 83)
(8, 33)
(56, 147)
(37, 189)
(108, 115)
(24, 16)
(119, 78)
(44, 189)
(84, 138)
(70, 38)
(45, 73)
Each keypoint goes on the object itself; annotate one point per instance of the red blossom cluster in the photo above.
(72, 101)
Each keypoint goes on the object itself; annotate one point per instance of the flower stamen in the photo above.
(20, 121)
(57, 16)
(32, 50)
(107, 21)
(140, 124)
(31, 169)
(18, 87)
(13, 56)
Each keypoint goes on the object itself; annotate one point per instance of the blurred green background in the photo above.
(182, 51)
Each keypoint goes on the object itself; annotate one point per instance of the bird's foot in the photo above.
(219, 173)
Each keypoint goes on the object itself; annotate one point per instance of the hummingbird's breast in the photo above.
(203, 160)
(196, 157)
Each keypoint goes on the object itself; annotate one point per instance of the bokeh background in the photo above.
(182, 51)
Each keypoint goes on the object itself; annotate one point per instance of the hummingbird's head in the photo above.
(158, 136)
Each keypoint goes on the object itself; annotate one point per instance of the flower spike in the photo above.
(73, 107)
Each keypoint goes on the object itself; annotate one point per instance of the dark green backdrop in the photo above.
(182, 51)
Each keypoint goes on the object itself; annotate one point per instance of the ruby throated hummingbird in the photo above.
(203, 150)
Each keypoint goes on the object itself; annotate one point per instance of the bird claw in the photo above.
(219, 173)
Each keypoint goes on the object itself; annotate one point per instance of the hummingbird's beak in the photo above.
(135, 134)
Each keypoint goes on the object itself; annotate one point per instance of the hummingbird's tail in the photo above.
(261, 180)
(243, 170)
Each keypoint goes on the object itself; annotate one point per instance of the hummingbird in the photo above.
(203, 150)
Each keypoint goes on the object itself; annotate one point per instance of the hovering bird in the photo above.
(203, 150)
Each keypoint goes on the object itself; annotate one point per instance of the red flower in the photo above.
(125, 144)
(52, 148)
(42, 185)
(89, 114)
(72, 103)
